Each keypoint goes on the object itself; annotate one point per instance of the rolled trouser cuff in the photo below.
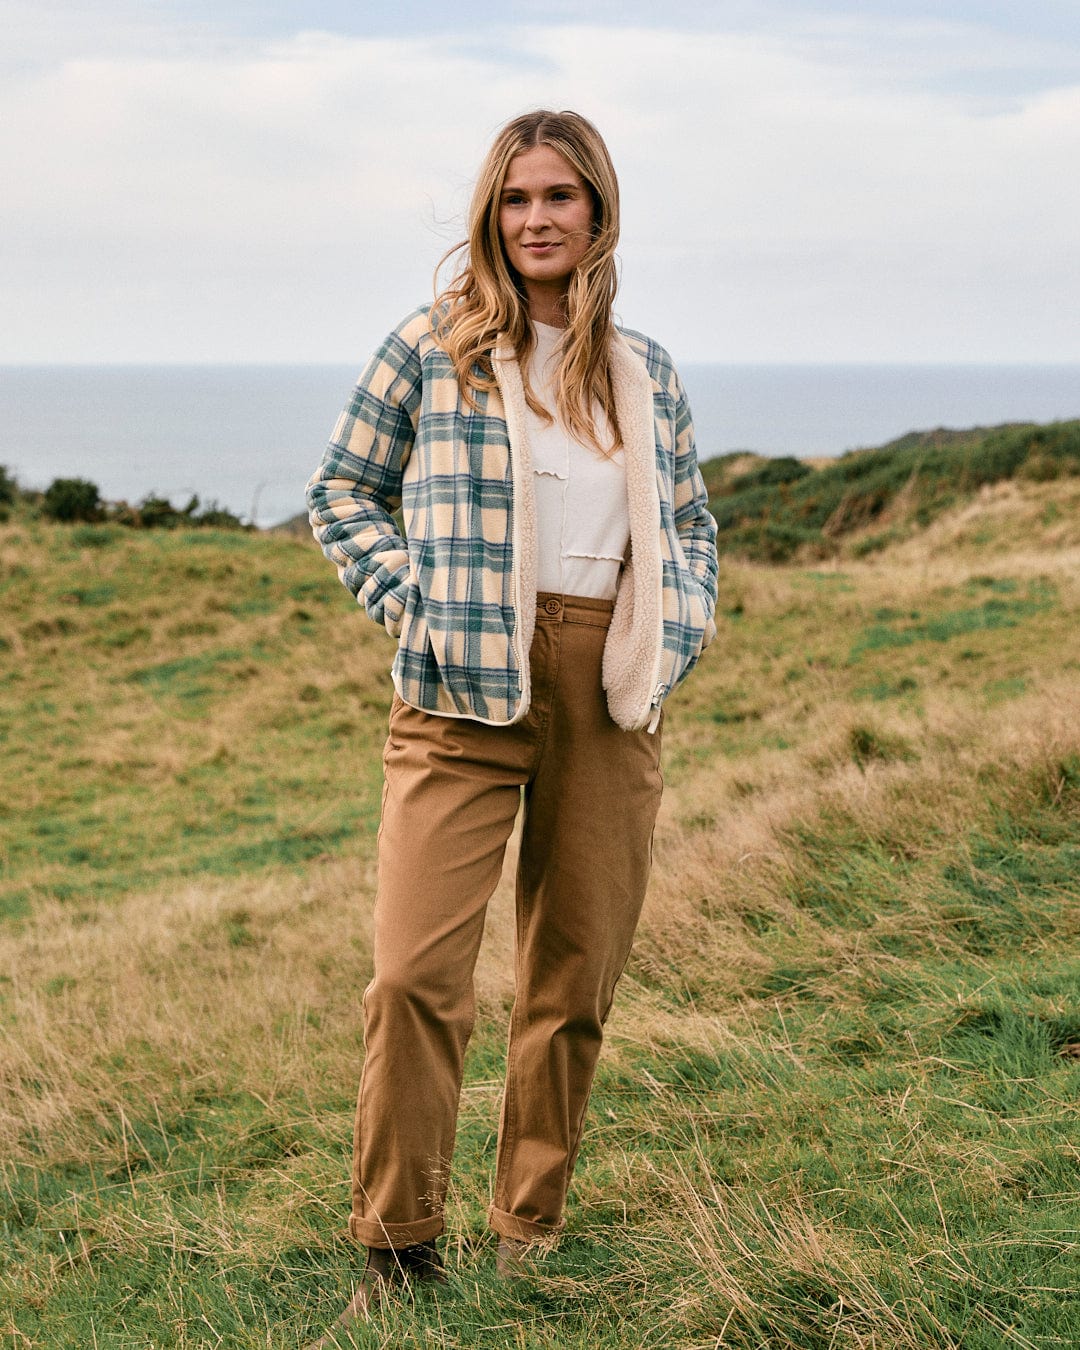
(372, 1233)
(521, 1230)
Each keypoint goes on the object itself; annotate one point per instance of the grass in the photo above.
(165, 716)
(838, 1104)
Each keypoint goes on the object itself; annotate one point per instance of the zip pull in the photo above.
(657, 700)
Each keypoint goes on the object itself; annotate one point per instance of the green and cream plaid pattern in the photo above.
(457, 590)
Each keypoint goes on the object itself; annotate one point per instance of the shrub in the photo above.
(774, 471)
(158, 513)
(72, 499)
(216, 517)
(155, 512)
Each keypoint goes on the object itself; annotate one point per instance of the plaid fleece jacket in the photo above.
(458, 591)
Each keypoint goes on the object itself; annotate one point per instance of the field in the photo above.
(839, 1105)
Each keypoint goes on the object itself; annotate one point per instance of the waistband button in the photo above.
(552, 606)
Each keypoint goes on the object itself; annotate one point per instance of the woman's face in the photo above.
(545, 222)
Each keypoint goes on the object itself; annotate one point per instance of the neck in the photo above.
(547, 304)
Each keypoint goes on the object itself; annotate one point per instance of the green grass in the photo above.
(901, 630)
(838, 1104)
(183, 745)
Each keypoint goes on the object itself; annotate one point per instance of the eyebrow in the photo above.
(550, 187)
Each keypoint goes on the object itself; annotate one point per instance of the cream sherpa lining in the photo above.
(633, 650)
(512, 390)
(634, 644)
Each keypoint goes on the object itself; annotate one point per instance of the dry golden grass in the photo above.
(187, 975)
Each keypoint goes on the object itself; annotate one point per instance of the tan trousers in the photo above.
(452, 791)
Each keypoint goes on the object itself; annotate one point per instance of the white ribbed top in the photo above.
(582, 519)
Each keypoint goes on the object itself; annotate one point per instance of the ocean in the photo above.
(248, 437)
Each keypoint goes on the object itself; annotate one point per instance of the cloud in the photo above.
(822, 191)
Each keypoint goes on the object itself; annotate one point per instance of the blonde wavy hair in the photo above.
(485, 301)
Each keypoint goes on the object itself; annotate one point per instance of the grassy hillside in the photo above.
(775, 509)
(838, 1106)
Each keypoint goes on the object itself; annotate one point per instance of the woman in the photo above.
(555, 579)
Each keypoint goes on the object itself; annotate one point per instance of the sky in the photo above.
(837, 180)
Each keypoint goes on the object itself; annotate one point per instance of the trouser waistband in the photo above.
(573, 608)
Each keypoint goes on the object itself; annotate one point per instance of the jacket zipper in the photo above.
(656, 705)
(659, 688)
(515, 535)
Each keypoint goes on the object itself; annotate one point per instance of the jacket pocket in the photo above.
(688, 624)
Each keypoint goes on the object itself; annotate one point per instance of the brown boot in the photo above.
(386, 1269)
(515, 1259)
(423, 1262)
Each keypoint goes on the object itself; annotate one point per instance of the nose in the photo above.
(537, 215)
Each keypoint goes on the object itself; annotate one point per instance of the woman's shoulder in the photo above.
(409, 343)
(656, 357)
(414, 327)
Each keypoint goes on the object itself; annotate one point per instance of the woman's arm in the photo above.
(696, 527)
(356, 489)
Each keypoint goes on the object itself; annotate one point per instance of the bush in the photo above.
(217, 517)
(79, 501)
(159, 513)
(784, 469)
(72, 499)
